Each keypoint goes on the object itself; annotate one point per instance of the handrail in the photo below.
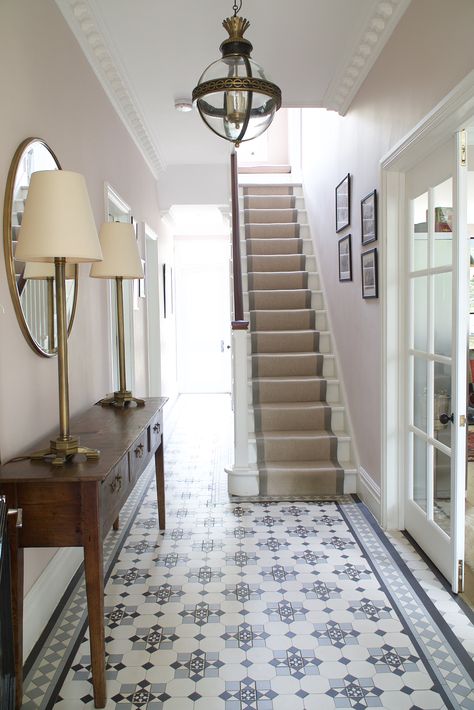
(238, 323)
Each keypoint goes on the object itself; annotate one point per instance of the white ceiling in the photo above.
(146, 53)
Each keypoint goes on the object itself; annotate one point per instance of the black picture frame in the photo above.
(369, 274)
(344, 250)
(343, 203)
(368, 218)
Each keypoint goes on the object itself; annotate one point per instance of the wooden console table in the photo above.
(76, 504)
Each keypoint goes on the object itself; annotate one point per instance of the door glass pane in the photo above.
(442, 402)
(420, 389)
(419, 472)
(442, 313)
(420, 313)
(443, 222)
(420, 232)
(442, 490)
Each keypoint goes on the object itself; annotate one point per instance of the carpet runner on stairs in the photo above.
(296, 449)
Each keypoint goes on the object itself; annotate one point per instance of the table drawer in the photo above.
(156, 429)
(138, 456)
(114, 492)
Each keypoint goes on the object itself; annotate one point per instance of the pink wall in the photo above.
(429, 52)
(49, 90)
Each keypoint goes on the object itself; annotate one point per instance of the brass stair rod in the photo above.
(60, 272)
(120, 329)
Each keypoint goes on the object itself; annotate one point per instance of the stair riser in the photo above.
(276, 262)
(269, 282)
(338, 423)
(323, 449)
(296, 190)
(302, 451)
(278, 300)
(300, 231)
(329, 366)
(271, 202)
(295, 483)
(292, 419)
(315, 301)
(291, 391)
(272, 216)
(325, 343)
(287, 343)
(290, 262)
(287, 367)
(256, 247)
(282, 320)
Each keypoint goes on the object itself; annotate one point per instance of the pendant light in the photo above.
(233, 96)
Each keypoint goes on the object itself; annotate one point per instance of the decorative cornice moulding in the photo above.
(83, 22)
(379, 26)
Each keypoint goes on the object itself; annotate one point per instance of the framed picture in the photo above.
(165, 290)
(343, 203)
(345, 258)
(370, 287)
(368, 218)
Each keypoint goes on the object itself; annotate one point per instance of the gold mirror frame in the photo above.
(8, 207)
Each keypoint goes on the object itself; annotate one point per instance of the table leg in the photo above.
(17, 574)
(94, 574)
(160, 485)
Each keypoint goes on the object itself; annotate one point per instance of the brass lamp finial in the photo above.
(236, 27)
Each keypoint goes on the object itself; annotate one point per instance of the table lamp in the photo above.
(58, 227)
(121, 261)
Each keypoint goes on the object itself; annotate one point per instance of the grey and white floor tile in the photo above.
(257, 604)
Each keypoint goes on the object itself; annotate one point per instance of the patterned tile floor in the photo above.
(257, 605)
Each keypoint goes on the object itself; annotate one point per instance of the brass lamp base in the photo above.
(121, 399)
(60, 450)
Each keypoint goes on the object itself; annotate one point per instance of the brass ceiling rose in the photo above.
(233, 96)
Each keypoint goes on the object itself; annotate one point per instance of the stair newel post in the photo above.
(240, 480)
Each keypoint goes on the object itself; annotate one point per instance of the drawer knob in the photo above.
(139, 451)
(156, 428)
(116, 484)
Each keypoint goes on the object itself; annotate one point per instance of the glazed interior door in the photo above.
(436, 385)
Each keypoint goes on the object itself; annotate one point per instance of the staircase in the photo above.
(297, 423)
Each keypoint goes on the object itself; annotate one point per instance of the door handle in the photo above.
(444, 418)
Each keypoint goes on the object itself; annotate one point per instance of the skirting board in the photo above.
(370, 493)
(46, 593)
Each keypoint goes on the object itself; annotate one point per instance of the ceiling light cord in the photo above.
(237, 7)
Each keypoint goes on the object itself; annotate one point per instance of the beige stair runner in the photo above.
(296, 449)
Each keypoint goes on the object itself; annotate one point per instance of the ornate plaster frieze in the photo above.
(80, 16)
(379, 26)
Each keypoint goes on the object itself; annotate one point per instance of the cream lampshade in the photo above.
(121, 261)
(58, 226)
(120, 253)
(58, 220)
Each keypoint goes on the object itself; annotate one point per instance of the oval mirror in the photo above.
(32, 284)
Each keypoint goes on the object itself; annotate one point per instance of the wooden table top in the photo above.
(111, 430)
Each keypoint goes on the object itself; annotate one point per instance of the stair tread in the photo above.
(302, 465)
(294, 433)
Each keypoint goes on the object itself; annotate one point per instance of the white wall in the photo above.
(429, 52)
(48, 90)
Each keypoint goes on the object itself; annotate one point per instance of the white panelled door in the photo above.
(436, 336)
(203, 314)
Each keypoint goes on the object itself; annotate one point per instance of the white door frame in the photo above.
(446, 119)
(153, 312)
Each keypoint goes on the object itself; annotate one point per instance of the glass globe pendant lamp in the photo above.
(233, 96)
